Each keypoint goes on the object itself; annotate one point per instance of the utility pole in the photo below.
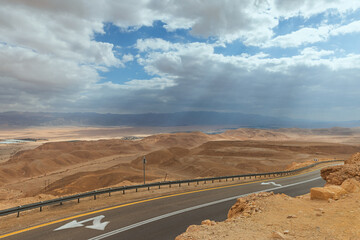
(144, 162)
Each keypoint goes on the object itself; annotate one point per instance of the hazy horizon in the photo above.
(199, 118)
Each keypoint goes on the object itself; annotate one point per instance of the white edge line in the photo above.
(123, 229)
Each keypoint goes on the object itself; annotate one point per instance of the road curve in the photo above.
(165, 217)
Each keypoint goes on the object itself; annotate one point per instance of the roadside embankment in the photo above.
(331, 212)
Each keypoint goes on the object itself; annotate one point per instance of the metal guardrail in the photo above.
(149, 185)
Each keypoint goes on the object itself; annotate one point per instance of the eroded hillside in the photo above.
(58, 168)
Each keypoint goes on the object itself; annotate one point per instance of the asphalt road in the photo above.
(165, 217)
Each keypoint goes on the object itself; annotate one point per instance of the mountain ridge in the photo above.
(191, 118)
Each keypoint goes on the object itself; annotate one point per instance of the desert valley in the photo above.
(74, 160)
(186, 120)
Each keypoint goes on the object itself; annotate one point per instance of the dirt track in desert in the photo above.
(61, 166)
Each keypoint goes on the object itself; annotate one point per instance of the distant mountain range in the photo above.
(27, 119)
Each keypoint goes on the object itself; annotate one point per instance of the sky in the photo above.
(282, 58)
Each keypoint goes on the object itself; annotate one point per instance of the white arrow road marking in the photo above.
(96, 224)
(72, 224)
(268, 183)
(123, 229)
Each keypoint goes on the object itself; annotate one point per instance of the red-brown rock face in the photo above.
(338, 174)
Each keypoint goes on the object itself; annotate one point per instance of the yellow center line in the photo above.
(146, 200)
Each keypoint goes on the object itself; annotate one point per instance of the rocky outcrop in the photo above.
(247, 206)
(340, 180)
(338, 174)
(355, 159)
(244, 207)
(351, 185)
(325, 193)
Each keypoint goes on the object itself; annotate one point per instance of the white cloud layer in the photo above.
(50, 60)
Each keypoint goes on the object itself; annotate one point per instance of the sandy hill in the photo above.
(213, 158)
(185, 140)
(254, 134)
(62, 155)
(57, 155)
(77, 166)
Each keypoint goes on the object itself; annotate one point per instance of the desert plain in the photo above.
(71, 160)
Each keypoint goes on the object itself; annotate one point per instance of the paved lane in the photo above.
(167, 217)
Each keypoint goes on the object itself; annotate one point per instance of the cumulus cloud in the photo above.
(50, 59)
(127, 58)
(353, 27)
(308, 8)
(310, 35)
(303, 36)
(252, 83)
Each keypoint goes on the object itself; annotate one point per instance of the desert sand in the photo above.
(73, 160)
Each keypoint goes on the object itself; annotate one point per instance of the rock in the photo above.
(286, 231)
(338, 174)
(291, 216)
(238, 208)
(318, 214)
(208, 222)
(321, 210)
(324, 193)
(277, 235)
(246, 214)
(192, 228)
(337, 190)
(354, 159)
(246, 206)
(351, 185)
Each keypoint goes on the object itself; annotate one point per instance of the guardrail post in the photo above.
(159, 186)
(188, 183)
(135, 189)
(60, 203)
(233, 179)
(109, 194)
(197, 182)
(179, 184)
(18, 214)
(94, 197)
(212, 181)
(225, 179)
(78, 200)
(205, 182)
(148, 188)
(170, 185)
(40, 208)
(123, 191)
